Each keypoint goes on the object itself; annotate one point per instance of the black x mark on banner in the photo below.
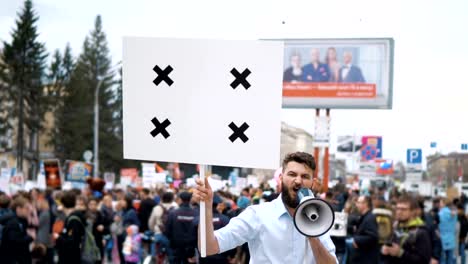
(160, 128)
(241, 78)
(163, 75)
(238, 132)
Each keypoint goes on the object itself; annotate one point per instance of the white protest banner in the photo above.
(215, 102)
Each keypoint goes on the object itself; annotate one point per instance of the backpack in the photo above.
(164, 218)
(90, 253)
(384, 223)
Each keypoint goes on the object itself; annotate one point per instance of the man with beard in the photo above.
(268, 227)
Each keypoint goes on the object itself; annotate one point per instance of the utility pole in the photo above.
(20, 140)
(96, 129)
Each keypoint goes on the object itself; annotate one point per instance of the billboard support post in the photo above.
(316, 150)
(326, 162)
(321, 148)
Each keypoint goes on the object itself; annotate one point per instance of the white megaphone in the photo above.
(313, 216)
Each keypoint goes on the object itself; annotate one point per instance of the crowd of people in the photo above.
(400, 229)
(125, 226)
(54, 226)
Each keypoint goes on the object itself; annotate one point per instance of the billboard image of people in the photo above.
(338, 73)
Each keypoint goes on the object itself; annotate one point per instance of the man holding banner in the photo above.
(268, 227)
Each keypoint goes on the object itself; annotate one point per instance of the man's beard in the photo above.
(287, 197)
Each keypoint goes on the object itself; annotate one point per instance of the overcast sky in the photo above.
(430, 100)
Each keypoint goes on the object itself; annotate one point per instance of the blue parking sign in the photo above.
(414, 156)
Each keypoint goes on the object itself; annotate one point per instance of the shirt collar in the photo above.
(280, 208)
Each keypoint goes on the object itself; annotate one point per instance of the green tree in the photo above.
(22, 72)
(93, 68)
(60, 71)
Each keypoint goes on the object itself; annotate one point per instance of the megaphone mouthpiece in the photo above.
(311, 212)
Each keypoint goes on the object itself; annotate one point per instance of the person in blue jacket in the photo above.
(447, 228)
(315, 71)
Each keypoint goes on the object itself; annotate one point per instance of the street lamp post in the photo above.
(96, 129)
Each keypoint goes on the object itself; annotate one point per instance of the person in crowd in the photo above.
(219, 221)
(96, 221)
(265, 225)
(411, 241)
(180, 231)
(132, 245)
(433, 231)
(107, 211)
(294, 72)
(463, 231)
(350, 73)
(315, 71)
(125, 218)
(68, 243)
(333, 65)
(5, 205)
(146, 207)
(44, 234)
(158, 221)
(365, 238)
(16, 240)
(447, 229)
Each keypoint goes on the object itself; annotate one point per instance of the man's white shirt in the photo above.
(272, 237)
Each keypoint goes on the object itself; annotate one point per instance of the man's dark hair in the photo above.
(68, 199)
(185, 197)
(19, 202)
(129, 201)
(368, 201)
(167, 197)
(4, 201)
(146, 191)
(413, 203)
(300, 157)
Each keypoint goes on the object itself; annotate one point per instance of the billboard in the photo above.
(338, 73)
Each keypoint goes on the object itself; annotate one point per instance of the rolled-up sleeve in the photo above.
(240, 229)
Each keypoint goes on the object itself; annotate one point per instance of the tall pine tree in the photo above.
(93, 67)
(22, 72)
(60, 71)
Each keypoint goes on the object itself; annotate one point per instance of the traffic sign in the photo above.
(414, 156)
(369, 152)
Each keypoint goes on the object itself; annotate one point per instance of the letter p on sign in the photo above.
(414, 156)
